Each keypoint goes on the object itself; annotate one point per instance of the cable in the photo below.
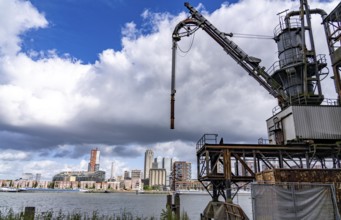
(240, 35)
(190, 46)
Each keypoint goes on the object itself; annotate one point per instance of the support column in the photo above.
(228, 174)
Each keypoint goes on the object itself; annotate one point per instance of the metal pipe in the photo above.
(312, 11)
(173, 91)
(312, 44)
(304, 49)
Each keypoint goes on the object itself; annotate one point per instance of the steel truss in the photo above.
(216, 160)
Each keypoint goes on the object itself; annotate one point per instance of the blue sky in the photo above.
(83, 74)
(84, 28)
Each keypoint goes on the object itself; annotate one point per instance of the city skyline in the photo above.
(76, 75)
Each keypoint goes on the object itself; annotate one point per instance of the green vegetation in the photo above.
(146, 187)
(168, 214)
(51, 215)
(157, 188)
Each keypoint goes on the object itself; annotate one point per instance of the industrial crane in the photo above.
(303, 134)
(294, 80)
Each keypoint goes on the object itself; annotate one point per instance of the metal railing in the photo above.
(206, 139)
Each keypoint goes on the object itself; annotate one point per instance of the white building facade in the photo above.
(148, 162)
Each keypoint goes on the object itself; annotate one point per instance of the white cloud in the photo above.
(46, 91)
(18, 17)
(12, 155)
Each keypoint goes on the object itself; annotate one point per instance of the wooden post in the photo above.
(29, 213)
(174, 207)
(177, 205)
(169, 202)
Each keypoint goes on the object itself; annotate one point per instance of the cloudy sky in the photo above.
(76, 75)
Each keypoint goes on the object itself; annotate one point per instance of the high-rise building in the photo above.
(148, 162)
(167, 165)
(181, 172)
(157, 164)
(113, 169)
(94, 160)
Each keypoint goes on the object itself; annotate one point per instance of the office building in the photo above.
(148, 162)
(94, 160)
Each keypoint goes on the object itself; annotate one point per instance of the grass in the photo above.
(9, 214)
(76, 215)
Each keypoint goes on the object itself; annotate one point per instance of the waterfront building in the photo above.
(127, 184)
(97, 176)
(94, 160)
(167, 165)
(87, 184)
(189, 185)
(126, 175)
(136, 182)
(181, 172)
(66, 185)
(157, 177)
(115, 185)
(136, 174)
(43, 184)
(148, 162)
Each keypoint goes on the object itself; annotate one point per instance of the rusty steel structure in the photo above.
(332, 24)
(222, 166)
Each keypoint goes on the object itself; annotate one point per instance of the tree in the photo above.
(146, 187)
(51, 185)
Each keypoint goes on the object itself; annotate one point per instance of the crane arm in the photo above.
(249, 63)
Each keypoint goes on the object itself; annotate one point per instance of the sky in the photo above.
(77, 75)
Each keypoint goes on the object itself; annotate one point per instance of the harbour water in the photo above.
(141, 205)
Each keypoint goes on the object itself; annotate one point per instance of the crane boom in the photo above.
(249, 63)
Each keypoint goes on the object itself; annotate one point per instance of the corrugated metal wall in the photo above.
(308, 123)
(317, 122)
